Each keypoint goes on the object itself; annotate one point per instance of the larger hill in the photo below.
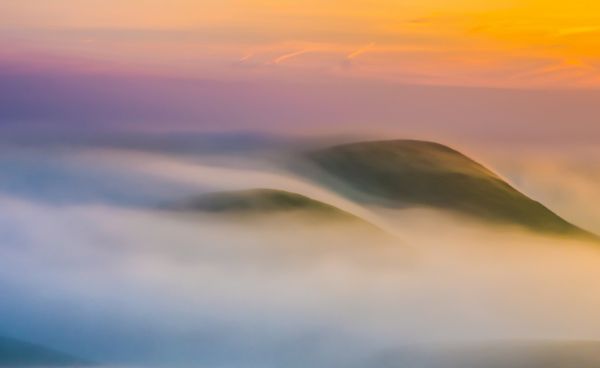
(404, 173)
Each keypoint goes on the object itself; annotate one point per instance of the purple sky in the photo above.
(56, 100)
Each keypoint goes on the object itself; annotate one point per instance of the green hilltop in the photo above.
(404, 173)
(259, 201)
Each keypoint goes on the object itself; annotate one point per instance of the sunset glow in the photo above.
(524, 44)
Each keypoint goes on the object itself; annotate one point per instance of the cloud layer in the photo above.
(130, 284)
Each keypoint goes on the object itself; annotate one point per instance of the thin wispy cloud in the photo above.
(285, 57)
(578, 30)
(246, 57)
(356, 53)
(573, 68)
(162, 39)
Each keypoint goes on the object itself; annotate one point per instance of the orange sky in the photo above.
(525, 44)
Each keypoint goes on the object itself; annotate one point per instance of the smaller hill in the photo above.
(14, 353)
(259, 202)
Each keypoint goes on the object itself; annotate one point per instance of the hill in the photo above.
(403, 173)
(14, 353)
(259, 202)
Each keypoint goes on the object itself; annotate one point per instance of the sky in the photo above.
(217, 60)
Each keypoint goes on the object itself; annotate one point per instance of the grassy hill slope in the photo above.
(259, 202)
(417, 173)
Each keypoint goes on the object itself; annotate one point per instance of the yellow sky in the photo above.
(527, 43)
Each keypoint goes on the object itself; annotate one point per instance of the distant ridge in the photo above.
(403, 173)
(14, 353)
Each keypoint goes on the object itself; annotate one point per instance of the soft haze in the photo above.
(113, 278)
(499, 70)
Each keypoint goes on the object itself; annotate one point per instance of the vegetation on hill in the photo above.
(417, 173)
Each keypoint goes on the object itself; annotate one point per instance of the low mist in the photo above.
(92, 264)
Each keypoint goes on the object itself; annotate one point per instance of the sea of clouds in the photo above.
(92, 265)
